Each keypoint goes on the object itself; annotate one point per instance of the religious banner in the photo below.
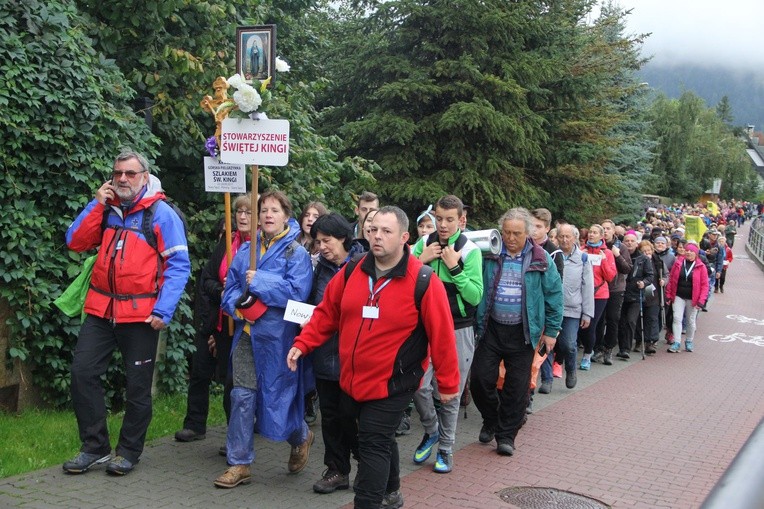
(694, 228)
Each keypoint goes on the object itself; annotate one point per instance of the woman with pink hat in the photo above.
(688, 290)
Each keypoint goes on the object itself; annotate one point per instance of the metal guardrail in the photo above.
(742, 485)
(755, 244)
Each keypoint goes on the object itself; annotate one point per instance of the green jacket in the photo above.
(542, 293)
(464, 284)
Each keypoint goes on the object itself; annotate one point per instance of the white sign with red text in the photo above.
(224, 178)
(264, 142)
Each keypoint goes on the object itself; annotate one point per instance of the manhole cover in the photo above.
(527, 497)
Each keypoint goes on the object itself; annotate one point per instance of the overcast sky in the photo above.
(727, 32)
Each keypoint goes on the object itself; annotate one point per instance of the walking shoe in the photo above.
(623, 354)
(505, 448)
(120, 466)
(311, 410)
(674, 348)
(425, 447)
(546, 387)
(298, 457)
(83, 461)
(721, 289)
(586, 364)
(404, 427)
(637, 346)
(571, 378)
(332, 481)
(392, 500)
(688, 345)
(234, 476)
(650, 348)
(223, 451)
(486, 434)
(444, 462)
(556, 370)
(598, 356)
(529, 408)
(607, 357)
(188, 435)
(716, 290)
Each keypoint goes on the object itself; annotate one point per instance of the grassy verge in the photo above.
(37, 439)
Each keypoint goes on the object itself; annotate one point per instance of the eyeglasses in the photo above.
(243, 211)
(129, 174)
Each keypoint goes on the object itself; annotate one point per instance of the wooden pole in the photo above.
(228, 247)
(253, 222)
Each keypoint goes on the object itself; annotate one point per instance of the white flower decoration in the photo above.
(282, 65)
(236, 81)
(247, 98)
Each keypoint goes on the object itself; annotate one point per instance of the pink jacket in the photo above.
(699, 282)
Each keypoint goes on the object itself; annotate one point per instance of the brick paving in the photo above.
(652, 433)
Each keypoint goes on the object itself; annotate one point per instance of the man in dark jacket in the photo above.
(641, 276)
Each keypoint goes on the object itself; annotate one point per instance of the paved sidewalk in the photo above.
(652, 433)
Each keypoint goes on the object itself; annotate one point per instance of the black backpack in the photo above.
(148, 219)
(422, 279)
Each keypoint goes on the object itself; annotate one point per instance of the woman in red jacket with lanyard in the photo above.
(604, 270)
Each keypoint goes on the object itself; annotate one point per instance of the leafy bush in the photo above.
(66, 112)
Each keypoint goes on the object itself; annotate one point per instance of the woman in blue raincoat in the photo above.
(265, 391)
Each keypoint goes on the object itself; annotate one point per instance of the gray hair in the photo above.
(126, 154)
(516, 213)
(576, 233)
(400, 216)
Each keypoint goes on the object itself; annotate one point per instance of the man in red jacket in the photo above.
(383, 342)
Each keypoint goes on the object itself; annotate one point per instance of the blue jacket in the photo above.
(542, 298)
(284, 272)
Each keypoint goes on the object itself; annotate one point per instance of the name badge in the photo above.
(371, 312)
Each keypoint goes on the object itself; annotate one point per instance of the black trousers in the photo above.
(204, 368)
(502, 410)
(627, 329)
(607, 330)
(96, 343)
(379, 468)
(338, 426)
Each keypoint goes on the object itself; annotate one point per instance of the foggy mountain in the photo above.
(745, 90)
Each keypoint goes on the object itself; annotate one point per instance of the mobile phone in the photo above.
(542, 349)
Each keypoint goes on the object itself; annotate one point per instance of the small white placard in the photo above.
(595, 259)
(246, 141)
(298, 312)
(224, 178)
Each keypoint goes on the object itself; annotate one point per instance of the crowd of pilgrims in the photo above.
(649, 283)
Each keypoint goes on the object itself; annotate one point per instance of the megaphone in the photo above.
(489, 241)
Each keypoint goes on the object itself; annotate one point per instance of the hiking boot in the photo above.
(688, 345)
(298, 457)
(637, 347)
(120, 466)
(505, 448)
(425, 447)
(444, 462)
(623, 354)
(546, 387)
(607, 357)
(189, 435)
(598, 356)
(674, 348)
(83, 461)
(332, 481)
(392, 500)
(234, 476)
(404, 427)
(650, 348)
(486, 434)
(571, 378)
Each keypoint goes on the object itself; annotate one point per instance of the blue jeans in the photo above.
(566, 343)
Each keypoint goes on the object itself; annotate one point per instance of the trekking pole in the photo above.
(642, 321)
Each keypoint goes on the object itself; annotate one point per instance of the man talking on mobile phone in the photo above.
(522, 305)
